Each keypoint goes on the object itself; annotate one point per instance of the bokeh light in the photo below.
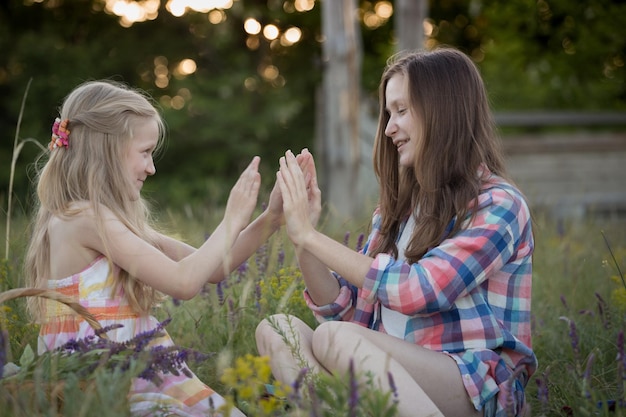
(252, 26)
(271, 32)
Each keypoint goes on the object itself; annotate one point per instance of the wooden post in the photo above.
(408, 21)
(338, 131)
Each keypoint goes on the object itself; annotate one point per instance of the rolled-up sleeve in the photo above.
(340, 309)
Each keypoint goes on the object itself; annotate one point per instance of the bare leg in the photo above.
(428, 383)
(287, 340)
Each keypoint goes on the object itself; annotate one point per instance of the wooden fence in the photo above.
(570, 175)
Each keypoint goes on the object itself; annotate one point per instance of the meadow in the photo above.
(579, 301)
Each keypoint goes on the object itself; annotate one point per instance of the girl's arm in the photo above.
(184, 278)
(314, 249)
(260, 230)
(247, 242)
(174, 249)
(348, 263)
(498, 235)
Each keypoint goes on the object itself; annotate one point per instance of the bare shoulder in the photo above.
(68, 235)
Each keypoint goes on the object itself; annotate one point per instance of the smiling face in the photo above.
(401, 127)
(138, 160)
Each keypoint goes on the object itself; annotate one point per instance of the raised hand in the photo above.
(293, 187)
(243, 196)
(307, 165)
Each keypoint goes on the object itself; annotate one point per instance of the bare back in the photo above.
(68, 254)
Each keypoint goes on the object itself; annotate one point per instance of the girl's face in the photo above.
(138, 162)
(402, 126)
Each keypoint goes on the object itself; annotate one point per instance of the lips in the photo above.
(400, 143)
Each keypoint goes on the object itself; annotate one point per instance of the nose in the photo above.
(391, 127)
(151, 169)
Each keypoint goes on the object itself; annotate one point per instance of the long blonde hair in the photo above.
(101, 115)
(456, 135)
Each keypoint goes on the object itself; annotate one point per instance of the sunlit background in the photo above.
(373, 15)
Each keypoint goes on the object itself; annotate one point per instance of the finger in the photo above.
(288, 181)
(294, 168)
(307, 165)
(286, 169)
(254, 164)
(284, 190)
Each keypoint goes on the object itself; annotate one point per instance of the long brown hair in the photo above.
(456, 136)
(102, 116)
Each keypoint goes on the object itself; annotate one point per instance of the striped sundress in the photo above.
(93, 288)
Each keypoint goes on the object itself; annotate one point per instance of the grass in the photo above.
(579, 305)
(579, 301)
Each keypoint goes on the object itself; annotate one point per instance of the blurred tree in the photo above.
(554, 54)
(256, 65)
(408, 20)
(250, 93)
(339, 100)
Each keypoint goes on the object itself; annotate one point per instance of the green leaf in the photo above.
(28, 356)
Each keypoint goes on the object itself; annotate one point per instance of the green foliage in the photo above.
(578, 317)
(556, 54)
(578, 326)
(54, 384)
(343, 395)
(15, 325)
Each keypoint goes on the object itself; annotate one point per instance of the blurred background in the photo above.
(237, 78)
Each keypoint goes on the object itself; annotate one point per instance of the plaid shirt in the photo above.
(468, 297)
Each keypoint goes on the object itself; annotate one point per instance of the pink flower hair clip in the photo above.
(60, 134)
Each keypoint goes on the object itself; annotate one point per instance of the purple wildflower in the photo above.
(3, 350)
(573, 336)
(231, 311)
(143, 339)
(587, 376)
(99, 352)
(258, 295)
(604, 313)
(315, 412)
(107, 329)
(261, 259)
(359, 242)
(346, 238)
(621, 366)
(220, 293)
(281, 258)
(242, 270)
(392, 385)
(353, 401)
(297, 383)
(543, 392)
(564, 301)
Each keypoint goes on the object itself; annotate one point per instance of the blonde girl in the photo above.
(93, 237)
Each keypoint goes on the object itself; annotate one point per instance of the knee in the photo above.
(266, 330)
(326, 337)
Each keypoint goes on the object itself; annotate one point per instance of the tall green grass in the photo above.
(579, 301)
(578, 304)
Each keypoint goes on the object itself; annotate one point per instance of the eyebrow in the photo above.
(395, 102)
